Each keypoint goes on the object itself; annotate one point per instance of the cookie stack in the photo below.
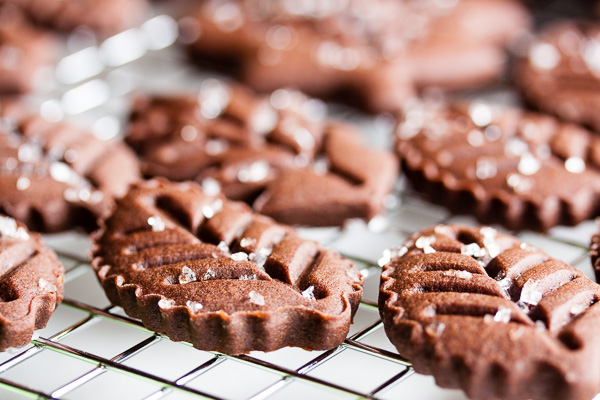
(193, 211)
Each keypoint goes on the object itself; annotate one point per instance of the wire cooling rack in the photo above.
(92, 350)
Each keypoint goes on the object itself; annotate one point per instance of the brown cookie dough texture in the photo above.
(275, 152)
(372, 53)
(24, 51)
(55, 177)
(104, 17)
(502, 165)
(495, 317)
(31, 283)
(561, 73)
(207, 270)
(595, 254)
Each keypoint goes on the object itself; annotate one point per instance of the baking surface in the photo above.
(91, 350)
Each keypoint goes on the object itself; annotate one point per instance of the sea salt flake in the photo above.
(96, 197)
(137, 266)
(84, 194)
(389, 254)
(516, 334)
(473, 250)
(71, 195)
(245, 242)
(47, 286)
(189, 133)
(256, 298)
(239, 256)
(575, 165)
(528, 164)
(223, 247)
(578, 309)
(424, 243)
(10, 229)
(211, 209)
(443, 230)
(488, 232)
(519, 183)
(544, 56)
(488, 319)
(481, 114)
(23, 183)
(165, 304)
(463, 274)
(208, 275)
(194, 306)
(255, 172)
(505, 284)
(304, 138)
(264, 119)
(215, 147)
(61, 172)
(211, 187)
(515, 147)
(530, 296)
(378, 224)
(29, 153)
(157, 224)
(503, 315)
(214, 98)
(540, 326)
(260, 258)
(435, 329)
(187, 275)
(320, 165)
(475, 138)
(309, 293)
(248, 277)
(486, 168)
(429, 311)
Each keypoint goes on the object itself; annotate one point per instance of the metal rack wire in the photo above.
(92, 350)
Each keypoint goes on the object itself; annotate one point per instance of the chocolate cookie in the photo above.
(31, 283)
(495, 317)
(102, 16)
(503, 165)
(595, 255)
(53, 176)
(24, 51)
(276, 153)
(207, 270)
(561, 73)
(372, 53)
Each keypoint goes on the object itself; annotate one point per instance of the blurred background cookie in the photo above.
(372, 53)
(278, 152)
(55, 176)
(561, 73)
(24, 51)
(104, 17)
(503, 165)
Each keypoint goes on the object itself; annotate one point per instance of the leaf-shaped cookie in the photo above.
(560, 72)
(502, 164)
(274, 152)
(486, 313)
(373, 53)
(31, 283)
(209, 271)
(54, 176)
